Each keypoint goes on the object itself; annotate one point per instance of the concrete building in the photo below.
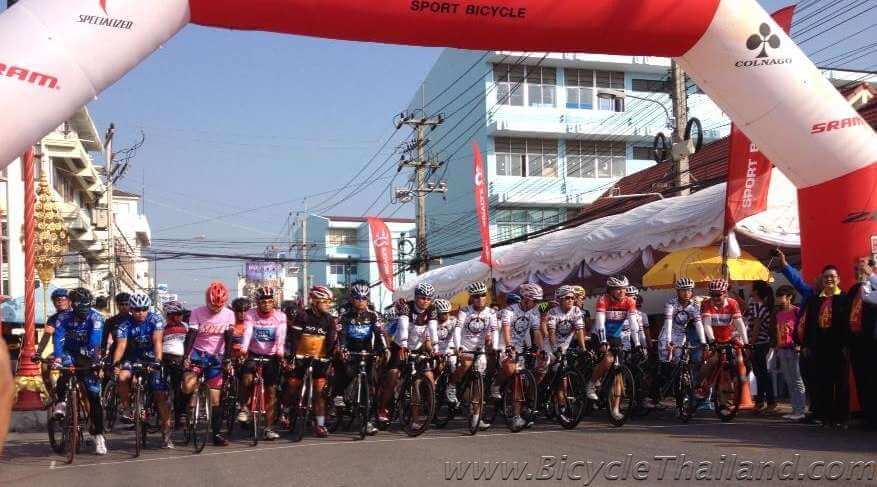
(132, 236)
(340, 251)
(557, 131)
(65, 157)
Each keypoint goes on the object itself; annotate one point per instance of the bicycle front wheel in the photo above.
(444, 411)
(201, 418)
(569, 399)
(110, 403)
(683, 392)
(71, 426)
(363, 404)
(621, 393)
(421, 406)
(257, 407)
(476, 403)
(139, 425)
(727, 395)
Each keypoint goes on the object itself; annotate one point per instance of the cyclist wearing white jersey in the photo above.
(681, 313)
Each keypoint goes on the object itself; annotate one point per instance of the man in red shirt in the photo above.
(722, 323)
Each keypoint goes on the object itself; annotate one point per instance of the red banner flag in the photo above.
(481, 210)
(748, 168)
(383, 245)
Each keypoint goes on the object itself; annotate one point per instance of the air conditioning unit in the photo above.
(100, 218)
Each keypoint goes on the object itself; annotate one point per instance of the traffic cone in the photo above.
(745, 398)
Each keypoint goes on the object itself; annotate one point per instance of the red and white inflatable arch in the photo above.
(56, 55)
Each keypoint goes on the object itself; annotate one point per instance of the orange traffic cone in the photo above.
(745, 398)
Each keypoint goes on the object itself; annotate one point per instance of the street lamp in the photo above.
(622, 94)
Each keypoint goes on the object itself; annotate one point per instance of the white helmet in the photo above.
(531, 291)
(442, 305)
(477, 288)
(684, 283)
(140, 300)
(617, 281)
(425, 290)
(632, 291)
(564, 291)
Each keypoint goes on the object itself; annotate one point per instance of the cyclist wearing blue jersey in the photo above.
(77, 342)
(140, 341)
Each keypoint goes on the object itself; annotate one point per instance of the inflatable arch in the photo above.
(56, 55)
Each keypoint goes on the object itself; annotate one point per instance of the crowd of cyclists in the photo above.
(419, 363)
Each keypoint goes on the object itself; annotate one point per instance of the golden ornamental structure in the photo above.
(51, 234)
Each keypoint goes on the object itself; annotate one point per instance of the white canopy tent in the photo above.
(611, 244)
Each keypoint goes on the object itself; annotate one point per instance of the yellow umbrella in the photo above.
(701, 265)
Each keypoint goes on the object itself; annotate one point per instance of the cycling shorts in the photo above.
(208, 364)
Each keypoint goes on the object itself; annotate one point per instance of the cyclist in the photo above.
(362, 330)
(239, 306)
(566, 321)
(145, 330)
(264, 337)
(518, 322)
(722, 324)
(448, 334)
(61, 302)
(580, 302)
(173, 348)
(477, 323)
(313, 334)
(112, 324)
(208, 350)
(613, 309)
(416, 316)
(681, 313)
(639, 342)
(77, 342)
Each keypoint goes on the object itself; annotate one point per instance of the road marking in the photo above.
(586, 427)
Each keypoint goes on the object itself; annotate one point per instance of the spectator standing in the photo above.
(783, 328)
(826, 326)
(759, 313)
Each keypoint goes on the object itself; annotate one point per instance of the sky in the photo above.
(241, 120)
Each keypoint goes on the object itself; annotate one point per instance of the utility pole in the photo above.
(110, 220)
(421, 163)
(679, 95)
(304, 258)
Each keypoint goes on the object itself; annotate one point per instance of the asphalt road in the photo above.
(647, 451)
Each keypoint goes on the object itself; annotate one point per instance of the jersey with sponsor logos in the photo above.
(75, 337)
(616, 313)
(565, 324)
(721, 318)
(446, 333)
(520, 324)
(139, 335)
(679, 318)
(361, 330)
(475, 326)
(211, 328)
(173, 341)
(264, 334)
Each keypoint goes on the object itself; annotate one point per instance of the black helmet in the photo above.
(81, 300)
(264, 292)
(240, 304)
(123, 298)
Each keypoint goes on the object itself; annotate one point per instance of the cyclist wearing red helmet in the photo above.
(312, 334)
(722, 323)
(208, 348)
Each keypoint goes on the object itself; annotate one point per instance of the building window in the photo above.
(515, 222)
(337, 237)
(541, 85)
(342, 269)
(579, 88)
(643, 153)
(595, 159)
(526, 157)
(650, 85)
(610, 103)
(515, 83)
(610, 79)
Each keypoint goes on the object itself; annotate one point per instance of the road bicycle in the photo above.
(66, 434)
(520, 393)
(301, 412)
(566, 389)
(416, 404)
(678, 381)
(258, 410)
(727, 384)
(617, 392)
